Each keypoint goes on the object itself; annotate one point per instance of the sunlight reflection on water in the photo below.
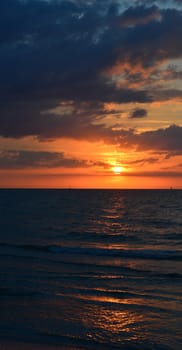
(117, 325)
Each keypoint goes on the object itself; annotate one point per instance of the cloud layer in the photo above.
(61, 61)
(11, 159)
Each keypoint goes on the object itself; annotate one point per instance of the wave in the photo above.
(55, 340)
(14, 292)
(138, 253)
(98, 341)
(123, 253)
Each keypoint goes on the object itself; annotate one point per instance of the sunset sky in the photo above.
(91, 93)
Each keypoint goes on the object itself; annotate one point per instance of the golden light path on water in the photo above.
(109, 318)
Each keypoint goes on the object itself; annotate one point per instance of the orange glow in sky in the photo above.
(97, 107)
(117, 169)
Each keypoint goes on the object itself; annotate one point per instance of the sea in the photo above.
(90, 269)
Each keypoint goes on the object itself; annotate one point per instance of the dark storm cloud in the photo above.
(168, 139)
(178, 2)
(154, 42)
(171, 2)
(29, 118)
(140, 15)
(10, 159)
(60, 48)
(166, 94)
(50, 126)
(139, 113)
(55, 51)
(162, 3)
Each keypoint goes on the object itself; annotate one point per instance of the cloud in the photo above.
(61, 48)
(138, 113)
(161, 141)
(85, 122)
(10, 159)
(139, 162)
(163, 4)
(55, 53)
(145, 48)
(51, 120)
(20, 159)
(140, 15)
(166, 95)
(168, 139)
(172, 154)
(58, 49)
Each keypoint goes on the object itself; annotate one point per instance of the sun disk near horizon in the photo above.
(117, 170)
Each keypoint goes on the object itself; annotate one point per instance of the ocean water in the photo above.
(91, 269)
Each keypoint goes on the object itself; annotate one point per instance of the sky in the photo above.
(91, 94)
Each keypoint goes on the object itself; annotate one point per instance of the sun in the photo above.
(117, 170)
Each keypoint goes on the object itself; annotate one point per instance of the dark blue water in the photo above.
(91, 269)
